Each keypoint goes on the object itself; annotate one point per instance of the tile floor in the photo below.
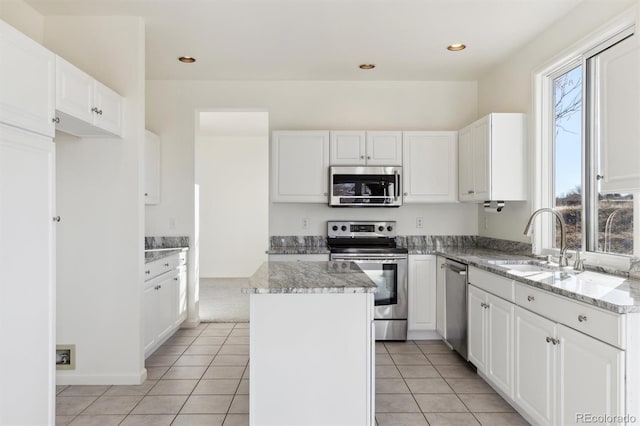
(201, 377)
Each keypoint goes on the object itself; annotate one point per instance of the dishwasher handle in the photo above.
(453, 268)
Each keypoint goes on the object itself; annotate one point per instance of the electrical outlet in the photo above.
(419, 222)
(305, 223)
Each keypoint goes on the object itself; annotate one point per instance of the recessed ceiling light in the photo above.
(366, 66)
(187, 59)
(456, 47)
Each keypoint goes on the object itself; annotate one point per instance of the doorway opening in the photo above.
(232, 172)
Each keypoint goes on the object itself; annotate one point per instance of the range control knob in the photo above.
(380, 228)
(335, 227)
(343, 228)
(389, 228)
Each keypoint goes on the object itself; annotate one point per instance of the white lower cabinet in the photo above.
(553, 371)
(421, 316)
(164, 301)
(563, 375)
(490, 331)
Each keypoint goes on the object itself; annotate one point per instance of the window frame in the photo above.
(543, 140)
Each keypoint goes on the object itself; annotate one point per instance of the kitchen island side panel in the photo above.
(312, 359)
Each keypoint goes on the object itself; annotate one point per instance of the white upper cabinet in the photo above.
(618, 109)
(360, 148)
(300, 167)
(492, 163)
(27, 82)
(84, 106)
(151, 168)
(348, 148)
(430, 167)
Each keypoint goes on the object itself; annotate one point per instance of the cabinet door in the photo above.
(482, 159)
(430, 166)
(441, 313)
(181, 297)
(499, 367)
(585, 363)
(27, 82)
(384, 148)
(74, 91)
(300, 167)
(150, 312)
(422, 293)
(348, 148)
(27, 258)
(167, 303)
(535, 366)
(476, 327)
(465, 164)
(109, 109)
(151, 168)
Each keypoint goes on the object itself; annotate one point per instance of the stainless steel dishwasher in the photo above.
(455, 296)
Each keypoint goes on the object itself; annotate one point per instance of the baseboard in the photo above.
(423, 335)
(96, 379)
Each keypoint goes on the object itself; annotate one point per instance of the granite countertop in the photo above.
(309, 278)
(611, 292)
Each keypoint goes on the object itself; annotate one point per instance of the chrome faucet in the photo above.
(563, 237)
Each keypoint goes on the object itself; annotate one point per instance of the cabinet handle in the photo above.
(549, 339)
(166, 264)
(147, 272)
(362, 157)
(599, 177)
(146, 194)
(57, 219)
(368, 157)
(159, 286)
(555, 341)
(175, 278)
(326, 193)
(582, 318)
(406, 194)
(100, 112)
(531, 298)
(55, 120)
(471, 191)
(94, 109)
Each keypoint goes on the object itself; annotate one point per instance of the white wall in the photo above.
(23, 17)
(302, 105)
(234, 203)
(99, 197)
(508, 88)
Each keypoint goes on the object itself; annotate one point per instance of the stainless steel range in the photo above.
(372, 246)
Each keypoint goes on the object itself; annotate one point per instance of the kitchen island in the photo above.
(311, 344)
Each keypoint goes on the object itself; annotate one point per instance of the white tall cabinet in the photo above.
(27, 231)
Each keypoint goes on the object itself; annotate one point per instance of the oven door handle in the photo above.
(368, 259)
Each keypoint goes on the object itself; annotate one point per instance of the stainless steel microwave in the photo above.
(365, 186)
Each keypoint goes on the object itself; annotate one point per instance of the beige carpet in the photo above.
(221, 300)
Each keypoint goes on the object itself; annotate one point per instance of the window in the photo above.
(589, 149)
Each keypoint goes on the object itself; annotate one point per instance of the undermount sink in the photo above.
(530, 267)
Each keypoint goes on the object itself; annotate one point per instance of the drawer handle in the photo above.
(531, 298)
(552, 340)
(582, 318)
(166, 264)
(147, 272)
(175, 278)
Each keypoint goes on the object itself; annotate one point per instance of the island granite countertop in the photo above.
(309, 278)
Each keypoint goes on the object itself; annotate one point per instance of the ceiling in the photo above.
(325, 39)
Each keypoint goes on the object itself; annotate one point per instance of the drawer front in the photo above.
(160, 266)
(603, 325)
(492, 283)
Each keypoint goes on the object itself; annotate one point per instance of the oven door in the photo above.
(389, 273)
